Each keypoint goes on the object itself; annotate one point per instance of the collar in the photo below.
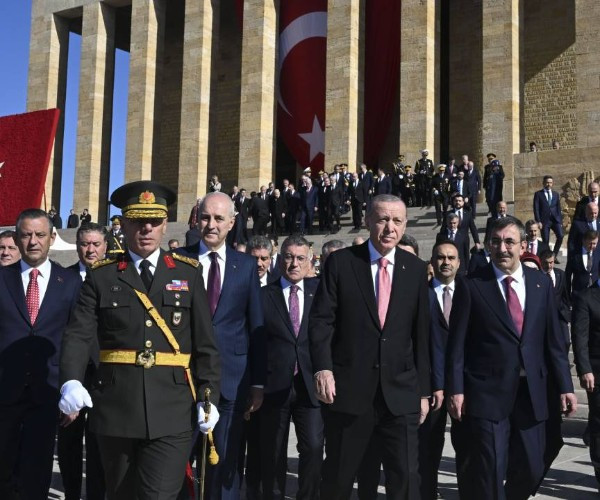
(374, 255)
(286, 284)
(152, 258)
(437, 283)
(584, 251)
(204, 251)
(43, 268)
(517, 275)
(82, 267)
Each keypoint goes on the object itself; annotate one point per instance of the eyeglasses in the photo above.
(289, 258)
(508, 243)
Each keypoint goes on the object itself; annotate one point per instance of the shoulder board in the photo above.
(103, 262)
(187, 260)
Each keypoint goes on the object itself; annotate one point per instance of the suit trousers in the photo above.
(144, 468)
(356, 214)
(27, 433)
(594, 426)
(512, 448)
(347, 437)
(276, 413)
(431, 446)
(557, 229)
(70, 460)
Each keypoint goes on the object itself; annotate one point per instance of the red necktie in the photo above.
(32, 298)
(384, 289)
(514, 306)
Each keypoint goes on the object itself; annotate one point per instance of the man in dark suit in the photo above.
(466, 223)
(278, 209)
(493, 183)
(336, 200)
(561, 292)
(73, 220)
(505, 338)
(92, 245)
(259, 210)
(370, 353)
(547, 211)
(308, 205)
(501, 210)
(440, 185)
(474, 182)
(35, 307)
(534, 244)
(357, 200)
(289, 391)
(582, 265)
(593, 196)
(368, 183)
(580, 226)
(234, 295)
(9, 251)
(148, 312)
(383, 183)
(242, 207)
(324, 201)
(461, 240)
(460, 185)
(293, 202)
(586, 347)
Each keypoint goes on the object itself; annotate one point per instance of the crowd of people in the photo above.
(146, 354)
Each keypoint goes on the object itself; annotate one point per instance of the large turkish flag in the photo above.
(301, 94)
(25, 145)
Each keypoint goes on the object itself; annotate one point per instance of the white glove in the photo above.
(73, 397)
(213, 418)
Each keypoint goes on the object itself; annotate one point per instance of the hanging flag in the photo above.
(25, 146)
(301, 92)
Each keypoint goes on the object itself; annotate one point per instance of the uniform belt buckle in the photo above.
(145, 358)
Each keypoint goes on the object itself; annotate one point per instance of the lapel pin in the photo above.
(403, 266)
(538, 285)
(59, 279)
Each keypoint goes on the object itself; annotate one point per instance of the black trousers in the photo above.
(27, 432)
(356, 213)
(144, 468)
(557, 229)
(594, 426)
(431, 446)
(276, 412)
(260, 225)
(347, 438)
(70, 459)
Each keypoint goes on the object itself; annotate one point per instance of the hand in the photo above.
(540, 225)
(587, 381)
(478, 246)
(325, 386)
(568, 403)
(255, 400)
(424, 410)
(456, 406)
(74, 397)
(213, 417)
(437, 400)
(66, 420)
(283, 216)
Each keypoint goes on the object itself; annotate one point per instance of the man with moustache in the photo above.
(9, 251)
(372, 369)
(148, 311)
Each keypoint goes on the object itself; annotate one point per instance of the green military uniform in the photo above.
(115, 240)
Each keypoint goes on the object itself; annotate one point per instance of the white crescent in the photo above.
(311, 25)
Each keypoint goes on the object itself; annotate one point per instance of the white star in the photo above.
(316, 139)
(1, 165)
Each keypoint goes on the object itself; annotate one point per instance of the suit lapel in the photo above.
(397, 284)
(231, 264)
(53, 290)
(533, 300)
(362, 272)
(130, 275)
(14, 282)
(309, 292)
(276, 294)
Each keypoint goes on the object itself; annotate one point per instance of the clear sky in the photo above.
(15, 24)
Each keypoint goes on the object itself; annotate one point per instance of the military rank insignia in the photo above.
(176, 318)
(178, 286)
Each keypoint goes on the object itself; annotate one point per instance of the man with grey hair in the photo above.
(261, 248)
(329, 247)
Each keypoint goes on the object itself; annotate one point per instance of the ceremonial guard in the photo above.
(423, 174)
(440, 192)
(397, 175)
(407, 189)
(115, 240)
(148, 310)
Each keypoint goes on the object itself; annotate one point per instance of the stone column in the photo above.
(419, 80)
(47, 87)
(147, 34)
(344, 95)
(587, 17)
(501, 129)
(195, 105)
(257, 125)
(95, 109)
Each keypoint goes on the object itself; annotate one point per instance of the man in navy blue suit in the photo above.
(583, 264)
(233, 292)
(547, 212)
(35, 309)
(505, 338)
(308, 204)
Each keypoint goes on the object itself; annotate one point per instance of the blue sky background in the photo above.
(15, 27)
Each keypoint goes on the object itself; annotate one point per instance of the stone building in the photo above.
(476, 76)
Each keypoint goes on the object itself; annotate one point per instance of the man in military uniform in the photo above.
(116, 239)
(149, 312)
(407, 189)
(397, 175)
(440, 191)
(423, 174)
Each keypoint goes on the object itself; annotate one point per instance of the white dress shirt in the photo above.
(285, 286)
(263, 280)
(82, 271)
(552, 277)
(518, 284)
(43, 277)
(438, 288)
(152, 258)
(584, 256)
(204, 258)
(374, 257)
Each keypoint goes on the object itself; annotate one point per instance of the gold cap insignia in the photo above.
(147, 197)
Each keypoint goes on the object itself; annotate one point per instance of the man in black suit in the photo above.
(368, 183)
(149, 313)
(73, 220)
(278, 209)
(92, 245)
(586, 347)
(293, 202)
(466, 222)
(461, 186)
(493, 183)
(505, 338)
(460, 239)
(474, 182)
(259, 211)
(580, 226)
(582, 265)
(547, 211)
(501, 210)
(336, 199)
(593, 196)
(242, 207)
(440, 186)
(308, 205)
(370, 353)
(534, 244)
(35, 306)
(383, 183)
(561, 293)
(324, 201)
(289, 391)
(357, 199)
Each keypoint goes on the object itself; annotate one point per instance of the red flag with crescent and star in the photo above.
(301, 92)
(25, 146)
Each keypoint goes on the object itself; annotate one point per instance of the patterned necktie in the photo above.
(294, 304)
(145, 273)
(214, 282)
(514, 306)
(32, 298)
(588, 268)
(384, 289)
(447, 301)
